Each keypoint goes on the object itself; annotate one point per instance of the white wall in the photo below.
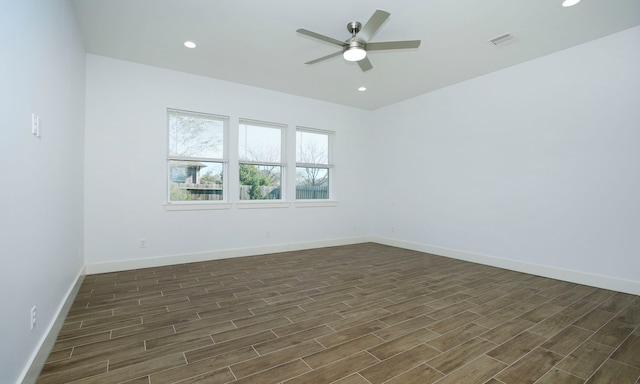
(125, 168)
(537, 164)
(41, 196)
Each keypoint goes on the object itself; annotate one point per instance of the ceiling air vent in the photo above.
(502, 40)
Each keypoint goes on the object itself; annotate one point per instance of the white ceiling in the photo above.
(254, 42)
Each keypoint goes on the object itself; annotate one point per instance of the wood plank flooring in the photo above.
(356, 314)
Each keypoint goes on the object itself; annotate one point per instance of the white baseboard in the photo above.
(599, 281)
(593, 280)
(39, 357)
(160, 261)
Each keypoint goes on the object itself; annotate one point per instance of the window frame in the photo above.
(329, 166)
(264, 203)
(231, 162)
(224, 161)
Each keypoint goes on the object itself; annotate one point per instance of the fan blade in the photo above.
(393, 45)
(324, 58)
(371, 27)
(321, 37)
(365, 64)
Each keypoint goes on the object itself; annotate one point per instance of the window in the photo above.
(198, 164)
(313, 164)
(260, 157)
(196, 156)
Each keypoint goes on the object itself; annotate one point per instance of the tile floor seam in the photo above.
(232, 373)
(597, 368)
(624, 308)
(495, 375)
(353, 374)
(533, 350)
(401, 373)
(444, 375)
(333, 329)
(488, 341)
(588, 339)
(517, 360)
(610, 357)
(499, 361)
(368, 353)
(561, 370)
(305, 362)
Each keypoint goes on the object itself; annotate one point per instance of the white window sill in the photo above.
(315, 203)
(257, 204)
(195, 206)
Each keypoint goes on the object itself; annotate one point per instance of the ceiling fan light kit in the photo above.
(355, 48)
(570, 3)
(354, 52)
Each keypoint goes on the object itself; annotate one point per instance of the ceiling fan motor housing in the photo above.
(354, 27)
(354, 44)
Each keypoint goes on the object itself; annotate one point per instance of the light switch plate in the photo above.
(35, 125)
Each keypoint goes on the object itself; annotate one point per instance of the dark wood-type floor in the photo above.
(351, 315)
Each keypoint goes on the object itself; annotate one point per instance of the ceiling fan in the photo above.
(355, 48)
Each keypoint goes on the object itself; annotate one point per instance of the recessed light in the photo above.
(189, 44)
(569, 3)
(362, 89)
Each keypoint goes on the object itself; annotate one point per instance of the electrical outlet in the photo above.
(268, 234)
(143, 243)
(33, 317)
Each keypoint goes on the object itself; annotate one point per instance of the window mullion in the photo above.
(207, 159)
(313, 165)
(267, 163)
